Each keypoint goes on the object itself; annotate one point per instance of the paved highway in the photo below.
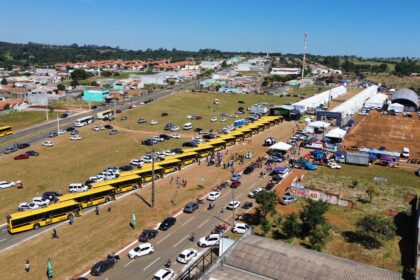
(168, 244)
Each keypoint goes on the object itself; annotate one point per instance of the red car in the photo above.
(235, 184)
(198, 117)
(21, 156)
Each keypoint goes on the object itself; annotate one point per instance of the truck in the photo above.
(357, 158)
(238, 123)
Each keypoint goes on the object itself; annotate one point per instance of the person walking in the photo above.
(27, 266)
(172, 178)
(71, 220)
(97, 210)
(54, 234)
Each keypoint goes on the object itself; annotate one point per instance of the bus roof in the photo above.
(216, 140)
(201, 147)
(185, 154)
(84, 118)
(168, 160)
(5, 127)
(53, 206)
(119, 179)
(236, 132)
(227, 136)
(70, 196)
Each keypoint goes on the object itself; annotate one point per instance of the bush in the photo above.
(291, 226)
(266, 226)
(377, 227)
(319, 236)
(313, 215)
(6, 106)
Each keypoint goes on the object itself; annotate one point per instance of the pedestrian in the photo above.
(27, 266)
(224, 165)
(97, 210)
(177, 180)
(109, 209)
(54, 234)
(199, 162)
(185, 183)
(172, 178)
(71, 220)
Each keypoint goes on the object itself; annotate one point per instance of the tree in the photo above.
(371, 192)
(94, 84)
(106, 74)
(61, 87)
(267, 203)
(79, 74)
(313, 215)
(319, 236)
(6, 106)
(291, 226)
(224, 64)
(266, 226)
(373, 230)
(4, 81)
(74, 83)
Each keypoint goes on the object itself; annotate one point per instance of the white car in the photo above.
(213, 196)
(41, 202)
(27, 206)
(175, 136)
(164, 274)
(158, 138)
(233, 205)
(197, 140)
(7, 184)
(223, 119)
(248, 155)
(189, 117)
(208, 241)
(96, 128)
(333, 165)
(186, 255)
(240, 228)
(253, 193)
(213, 119)
(61, 131)
(175, 128)
(153, 122)
(47, 144)
(76, 137)
(168, 153)
(136, 162)
(141, 250)
(146, 159)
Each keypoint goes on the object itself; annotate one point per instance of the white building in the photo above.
(210, 65)
(285, 71)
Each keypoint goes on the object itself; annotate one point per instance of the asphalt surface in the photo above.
(169, 244)
(40, 132)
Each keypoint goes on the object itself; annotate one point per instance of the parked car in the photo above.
(235, 184)
(96, 128)
(136, 162)
(113, 132)
(240, 228)
(164, 274)
(177, 151)
(108, 126)
(191, 207)
(23, 145)
(52, 196)
(148, 234)
(21, 156)
(153, 122)
(141, 250)
(213, 195)
(146, 159)
(333, 165)
(249, 170)
(190, 144)
(148, 142)
(169, 153)
(102, 266)
(175, 128)
(167, 223)
(208, 241)
(124, 118)
(214, 119)
(125, 168)
(165, 137)
(7, 184)
(77, 187)
(142, 121)
(52, 134)
(76, 137)
(61, 131)
(233, 205)
(41, 201)
(253, 193)
(235, 177)
(175, 136)
(27, 206)
(74, 132)
(10, 150)
(47, 144)
(288, 199)
(164, 114)
(274, 159)
(186, 255)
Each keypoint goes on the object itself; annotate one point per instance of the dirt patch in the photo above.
(393, 132)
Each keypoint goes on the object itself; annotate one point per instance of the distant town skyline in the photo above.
(362, 28)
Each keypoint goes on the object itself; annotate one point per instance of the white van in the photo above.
(188, 126)
(77, 187)
(405, 152)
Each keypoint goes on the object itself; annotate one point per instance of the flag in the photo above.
(133, 220)
(50, 271)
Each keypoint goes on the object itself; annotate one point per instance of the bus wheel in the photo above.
(194, 160)
(106, 199)
(135, 187)
(36, 226)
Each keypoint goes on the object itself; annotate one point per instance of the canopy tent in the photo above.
(336, 133)
(319, 99)
(281, 146)
(379, 152)
(396, 107)
(310, 128)
(376, 101)
(354, 104)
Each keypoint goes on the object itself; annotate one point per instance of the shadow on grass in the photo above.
(366, 241)
(406, 230)
(143, 199)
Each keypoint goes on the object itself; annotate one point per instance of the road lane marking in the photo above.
(1, 240)
(180, 241)
(151, 264)
(203, 223)
(188, 221)
(164, 238)
(128, 263)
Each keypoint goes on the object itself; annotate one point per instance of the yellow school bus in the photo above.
(121, 184)
(5, 130)
(246, 131)
(170, 165)
(239, 136)
(186, 158)
(253, 127)
(145, 173)
(230, 140)
(91, 197)
(34, 219)
(203, 150)
(218, 144)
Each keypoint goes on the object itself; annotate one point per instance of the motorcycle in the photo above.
(168, 264)
(211, 206)
(200, 201)
(219, 229)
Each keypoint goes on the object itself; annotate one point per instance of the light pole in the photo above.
(153, 179)
(233, 210)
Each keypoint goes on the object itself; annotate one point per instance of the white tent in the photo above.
(397, 107)
(310, 128)
(354, 104)
(376, 101)
(281, 146)
(319, 99)
(336, 133)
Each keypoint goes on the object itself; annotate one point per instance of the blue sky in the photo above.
(380, 28)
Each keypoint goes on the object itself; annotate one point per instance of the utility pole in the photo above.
(304, 54)
(153, 179)
(58, 125)
(46, 110)
(233, 210)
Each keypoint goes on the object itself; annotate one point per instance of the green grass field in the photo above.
(311, 89)
(20, 120)
(394, 81)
